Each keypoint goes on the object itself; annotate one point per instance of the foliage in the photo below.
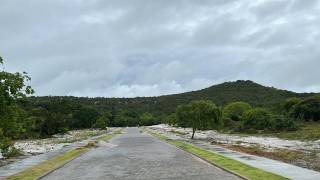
(75, 112)
(37, 117)
(171, 119)
(85, 117)
(290, 103)
(199, 115)
(235, 110)
(307, 109)
(283, 123)
(256, 119)
(305, 131)
(222, 94)
(146, 119)
(12, 88)
(184, 115)
(102, 122)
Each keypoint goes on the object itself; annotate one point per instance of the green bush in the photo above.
(229, 124)
(101, 123)
(281, 122)
(290, 103)
(256, 119)
(6, 148)
(235, 110)
(308, 109)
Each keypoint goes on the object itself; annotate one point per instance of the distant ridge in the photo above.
(220, 94)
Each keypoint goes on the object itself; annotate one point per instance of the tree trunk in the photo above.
(193, 131)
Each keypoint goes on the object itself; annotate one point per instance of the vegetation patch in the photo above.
(222, 161)
(43, 168)
(307, 131)
(308, 160)
(108, 136)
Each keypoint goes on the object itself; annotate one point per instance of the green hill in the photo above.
(221, 94)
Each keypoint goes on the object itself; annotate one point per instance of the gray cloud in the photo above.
(149, 48)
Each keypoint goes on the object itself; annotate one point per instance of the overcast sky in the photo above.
(127, 48)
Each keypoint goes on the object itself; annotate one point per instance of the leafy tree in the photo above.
(85, 117)
(184, 115)
(290, 103)
(126, 118)
(102, 122)
(257, 119)
(171, 119)
(281, 122)
(235, 110)
(308, 109)
(5, 144)
(12, 87)
(146, 119)
(199, 115)
(218, 118)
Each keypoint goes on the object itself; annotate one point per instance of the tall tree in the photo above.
(198, 115)
(12, 88)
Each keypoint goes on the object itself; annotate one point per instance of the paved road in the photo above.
(134, 156)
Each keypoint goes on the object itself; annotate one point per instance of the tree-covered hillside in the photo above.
(222, 94)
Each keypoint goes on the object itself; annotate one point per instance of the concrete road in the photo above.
(134, 156)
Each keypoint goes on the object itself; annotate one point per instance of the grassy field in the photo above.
(222, 161)
(45, 167)
(307, 131)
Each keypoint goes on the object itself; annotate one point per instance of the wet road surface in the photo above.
(134, 156)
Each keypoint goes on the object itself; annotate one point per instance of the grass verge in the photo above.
(307, 131)
(50, 165)
(231, 165)
(43, 168)
(309, 160)
(108, 136)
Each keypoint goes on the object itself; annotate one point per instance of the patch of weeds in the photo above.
(108, 136)
(308, 131)
(309, 160)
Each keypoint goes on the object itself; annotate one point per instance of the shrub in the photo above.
(308, 109)
(281, 122)
(101, 123)
(235, 110)
(229, 124)
(290, 103)
(256, 119)
(6, 148)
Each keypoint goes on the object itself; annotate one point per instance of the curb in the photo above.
(56, 168)
(211, 163)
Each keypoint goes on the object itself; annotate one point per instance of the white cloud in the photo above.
(148, 48)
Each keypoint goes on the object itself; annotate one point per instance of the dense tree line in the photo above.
(236, 106)
(242, 117)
